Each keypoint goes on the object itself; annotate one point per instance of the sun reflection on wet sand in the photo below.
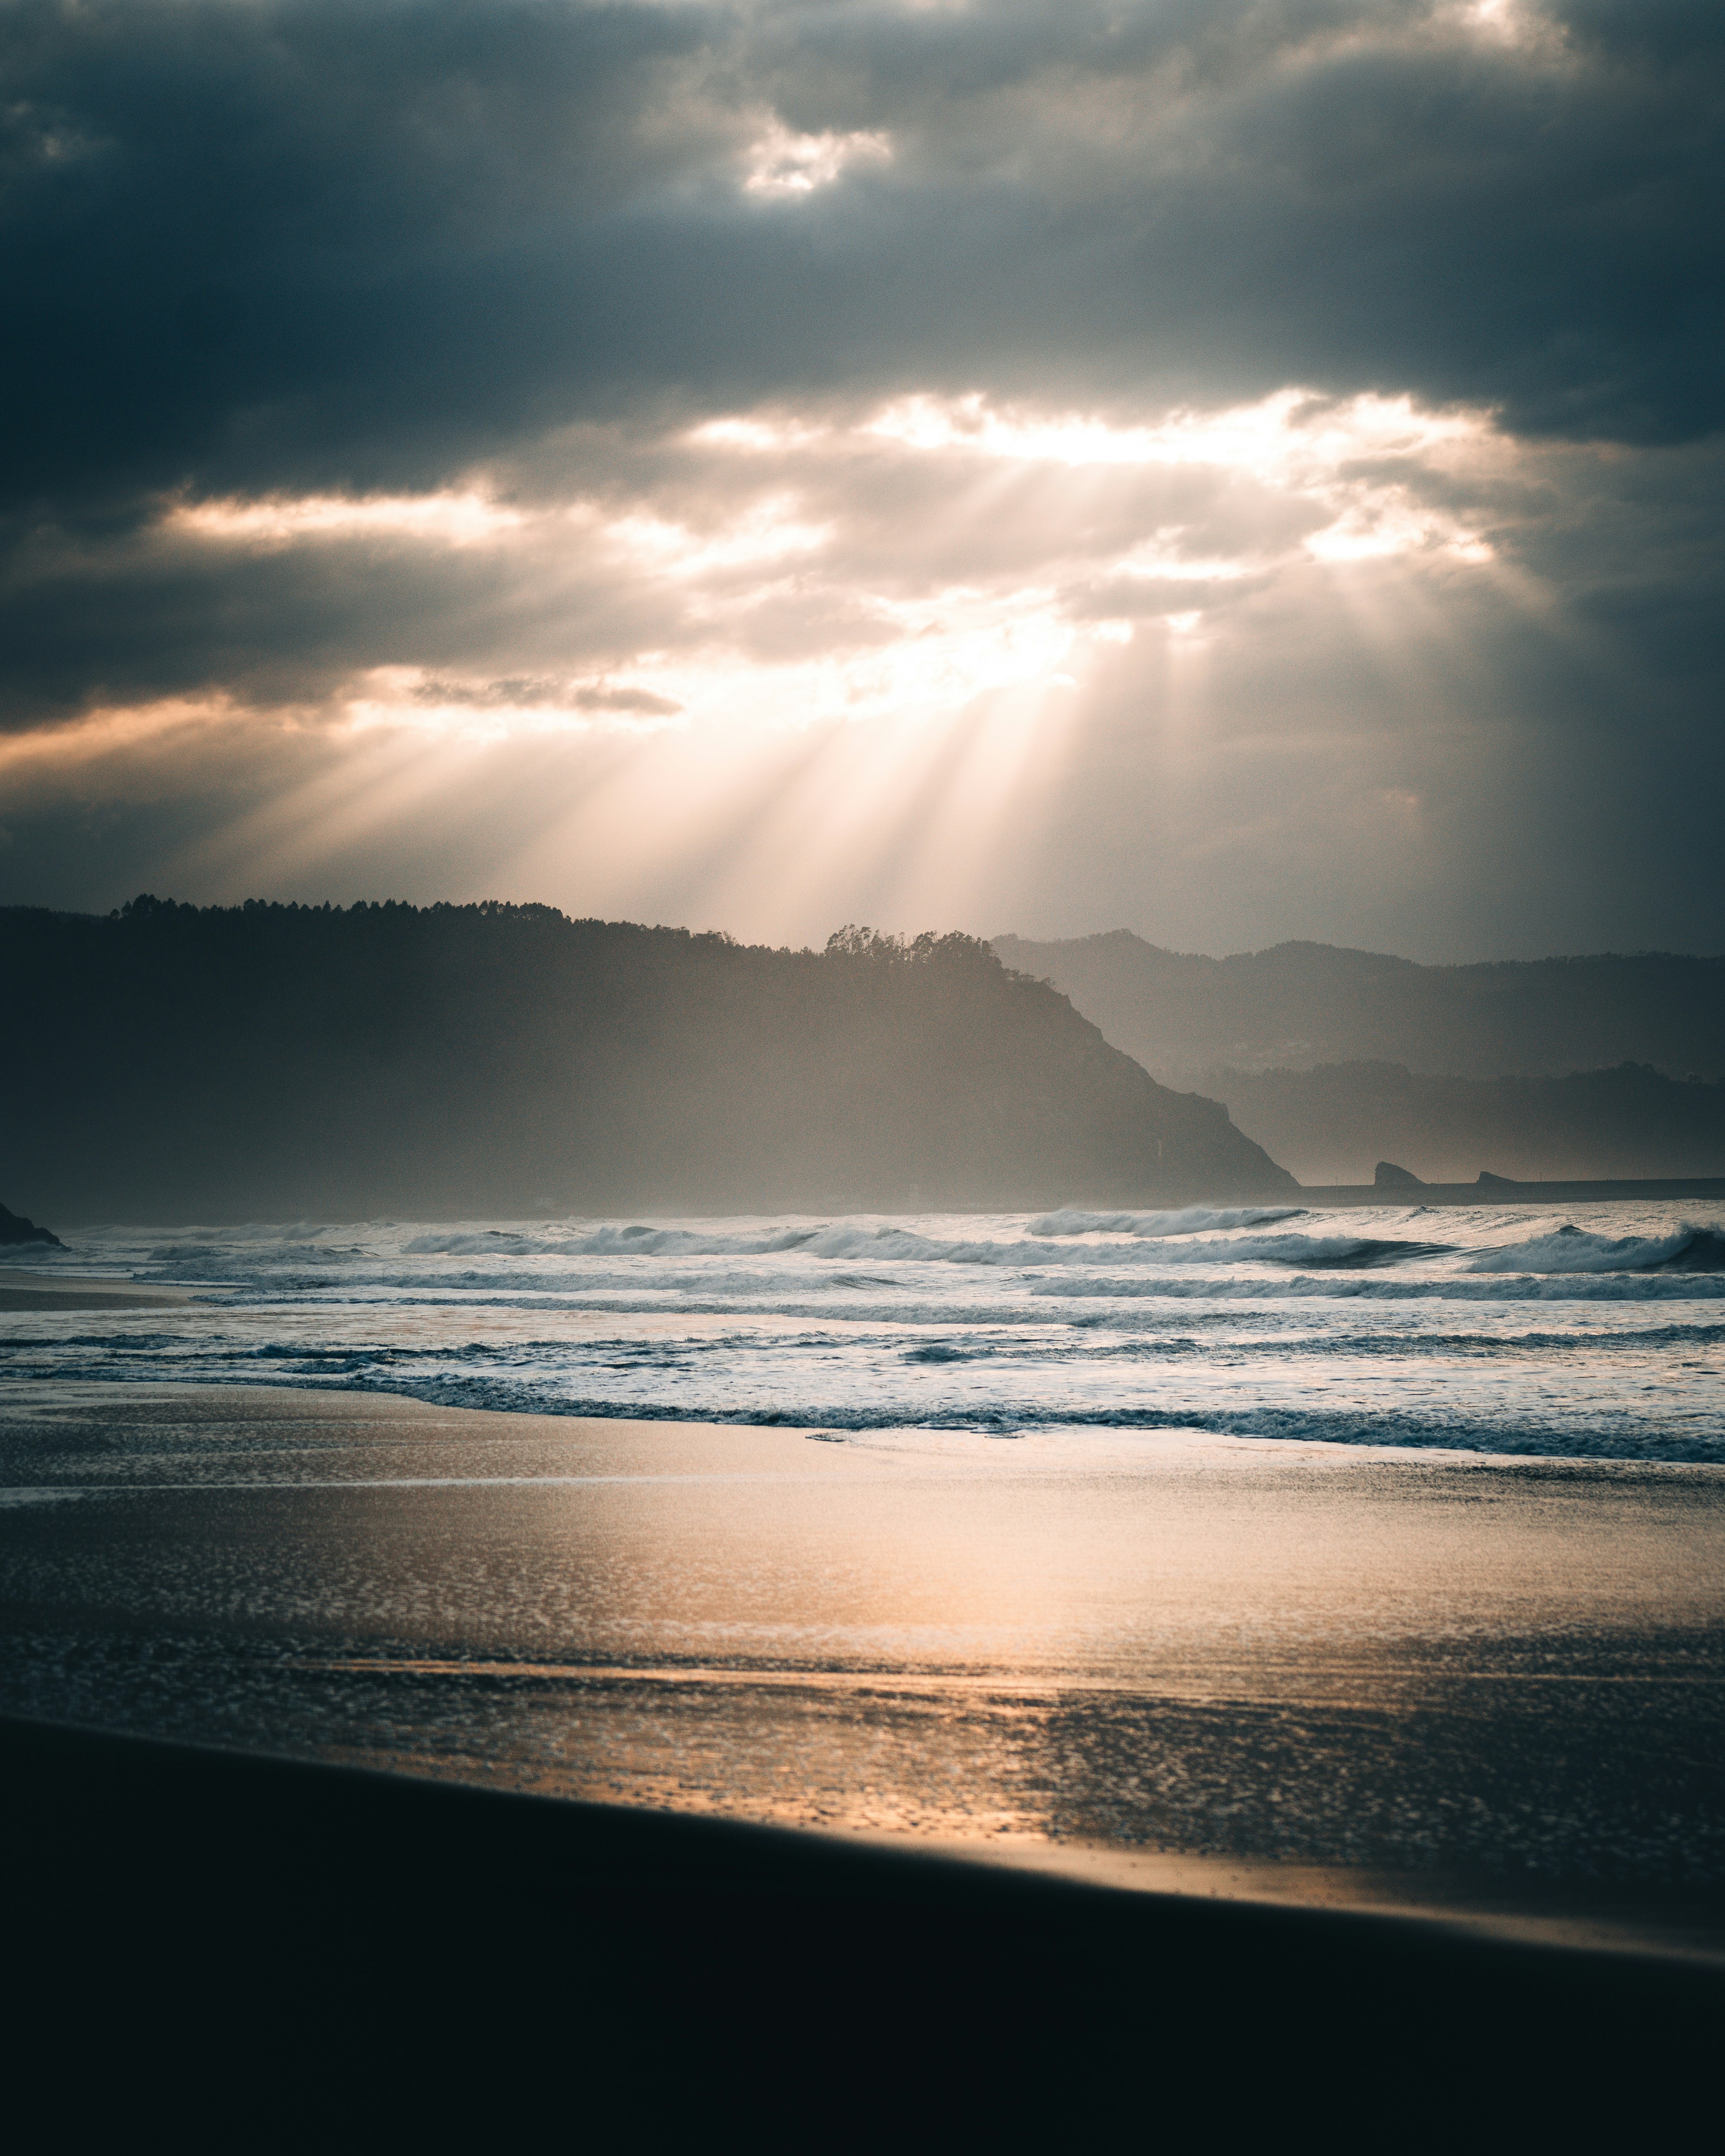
(1235, 1653)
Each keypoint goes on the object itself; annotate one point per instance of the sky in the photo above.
(1233, 469)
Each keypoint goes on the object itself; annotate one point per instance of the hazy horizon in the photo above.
(906, 929)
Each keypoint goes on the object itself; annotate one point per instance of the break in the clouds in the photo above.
(1236, 470)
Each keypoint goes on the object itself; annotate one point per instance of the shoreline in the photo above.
(266, 1395)
(21, 1291)
(782, 1610)
(274, 1396)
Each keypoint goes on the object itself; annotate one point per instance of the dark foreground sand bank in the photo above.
(214, 1945)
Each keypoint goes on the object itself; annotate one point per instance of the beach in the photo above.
(24, 1292)
(643, 1776)
(1486, 1690)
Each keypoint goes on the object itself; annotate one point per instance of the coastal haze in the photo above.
(860, 927)
(1559, 1069)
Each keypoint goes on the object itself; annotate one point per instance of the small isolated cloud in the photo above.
(780, 163)
(521, 691)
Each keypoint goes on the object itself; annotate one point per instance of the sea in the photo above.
(1592, 1331)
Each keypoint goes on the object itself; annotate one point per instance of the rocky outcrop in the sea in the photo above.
(15, 1229)
(1389, 1177)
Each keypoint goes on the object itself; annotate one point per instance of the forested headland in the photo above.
(170, 1062)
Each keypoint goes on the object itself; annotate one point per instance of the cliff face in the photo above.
(269, 1061)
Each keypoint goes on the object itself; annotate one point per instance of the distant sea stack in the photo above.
(15, 1229)
(271, 1061)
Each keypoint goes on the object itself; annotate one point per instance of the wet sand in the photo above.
(1486, 1690)
(21, 1290)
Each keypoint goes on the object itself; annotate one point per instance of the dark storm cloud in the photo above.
(116, 612)
(316, 244)
(510, 254)
(167, 616)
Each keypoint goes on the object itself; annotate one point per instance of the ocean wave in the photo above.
(1577, 1287)
(1017, 1344)
(463, 1290)
(1572, 1249)
(632, 1242)
(866, 1253)
(207, 1263)
(1193, 1220)
(887, 1245)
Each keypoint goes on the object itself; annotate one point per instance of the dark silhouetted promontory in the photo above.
(280, 1061)
(15, 1230)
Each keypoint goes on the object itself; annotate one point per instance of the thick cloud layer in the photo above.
(1260, 457)
(316, 244)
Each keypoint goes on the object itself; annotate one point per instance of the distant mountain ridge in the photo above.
(1333, 1124)
(269, 1062)
(1300, 1004)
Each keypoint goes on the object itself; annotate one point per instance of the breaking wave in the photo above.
(1572, 1249)
(1601, 1336)
(1518, 1287)
(1193, 1220)
(889, 1245)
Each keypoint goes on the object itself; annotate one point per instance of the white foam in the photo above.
(1615, 1287)
(1259, 1319)
(1194, 1219)
(871, 1244)
(1572, 1249)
